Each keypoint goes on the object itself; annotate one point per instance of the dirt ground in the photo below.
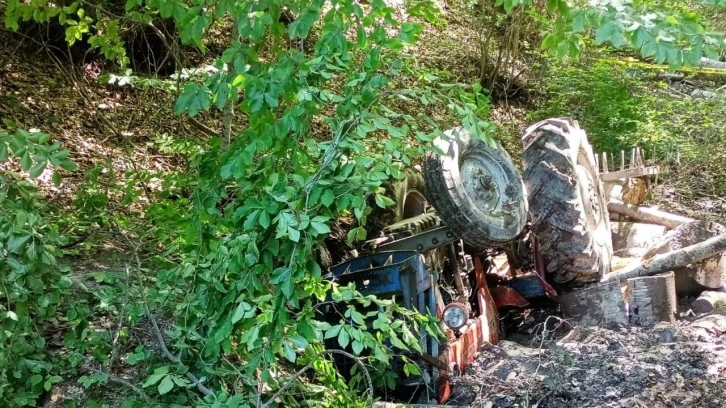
(669, 365)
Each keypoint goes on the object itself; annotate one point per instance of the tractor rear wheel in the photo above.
(567, 203)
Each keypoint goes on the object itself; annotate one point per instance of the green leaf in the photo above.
(264, 219)
(332, 332)
(382, 201)
(69, 165)
(15, 242)
(289, 352)
(604, 33)
(320, 228)
(240, 311)
(57, 179)
(327, 198)
(410, 31)
(159, 373)
(343, 338)
(26, 161)
(293, 234)
(166, 385)
(37, 170)
(193, 98)
(3, 152)
(300, 28)
(357, 347)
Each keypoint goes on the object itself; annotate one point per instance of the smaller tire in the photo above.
(476, 190)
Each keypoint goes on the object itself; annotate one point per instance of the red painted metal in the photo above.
(507, 296)
(461, 352)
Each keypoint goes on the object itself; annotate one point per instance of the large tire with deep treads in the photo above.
(567, 203)
(476, 190)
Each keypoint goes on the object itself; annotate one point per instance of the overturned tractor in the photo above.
(471, 235)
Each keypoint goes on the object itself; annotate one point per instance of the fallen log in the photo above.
(711, 63)
(671, 260)
(647, 215)
(708, 302)
(692, 279)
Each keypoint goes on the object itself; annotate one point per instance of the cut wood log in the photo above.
(708, 302)
(647, 215)
(595, 305)
(692, 279)
(632, 239)
(652, 299)
(711, 63)
(671, 260)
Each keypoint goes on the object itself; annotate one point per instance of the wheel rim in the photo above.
(588, 191)
(483, 181)
(414, 203)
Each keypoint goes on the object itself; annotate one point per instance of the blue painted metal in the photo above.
(399, 274)
(529, 285)
(393, 273)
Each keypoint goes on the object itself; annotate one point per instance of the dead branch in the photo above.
(118, 380)
(201, 126)
(671, 260)
(647, 215)
(157, 332)
(298, 373)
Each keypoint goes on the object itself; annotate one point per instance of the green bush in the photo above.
(600, 97)
(621, 107)
(31, 285)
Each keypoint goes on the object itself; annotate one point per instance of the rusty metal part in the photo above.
(423, 242)
(414, 225)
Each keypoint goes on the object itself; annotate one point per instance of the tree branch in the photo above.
(157, 332)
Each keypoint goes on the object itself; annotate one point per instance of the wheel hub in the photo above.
(481, 183)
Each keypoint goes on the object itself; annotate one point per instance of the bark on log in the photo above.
(647, 215)
(709, 273)
(595, 305)
(711, 63)
(631, 239)
(708, 301)
(652, 299)
(672, 260)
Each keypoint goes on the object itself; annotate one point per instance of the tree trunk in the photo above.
(652, 299)
(647, 215)
(595, 305)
